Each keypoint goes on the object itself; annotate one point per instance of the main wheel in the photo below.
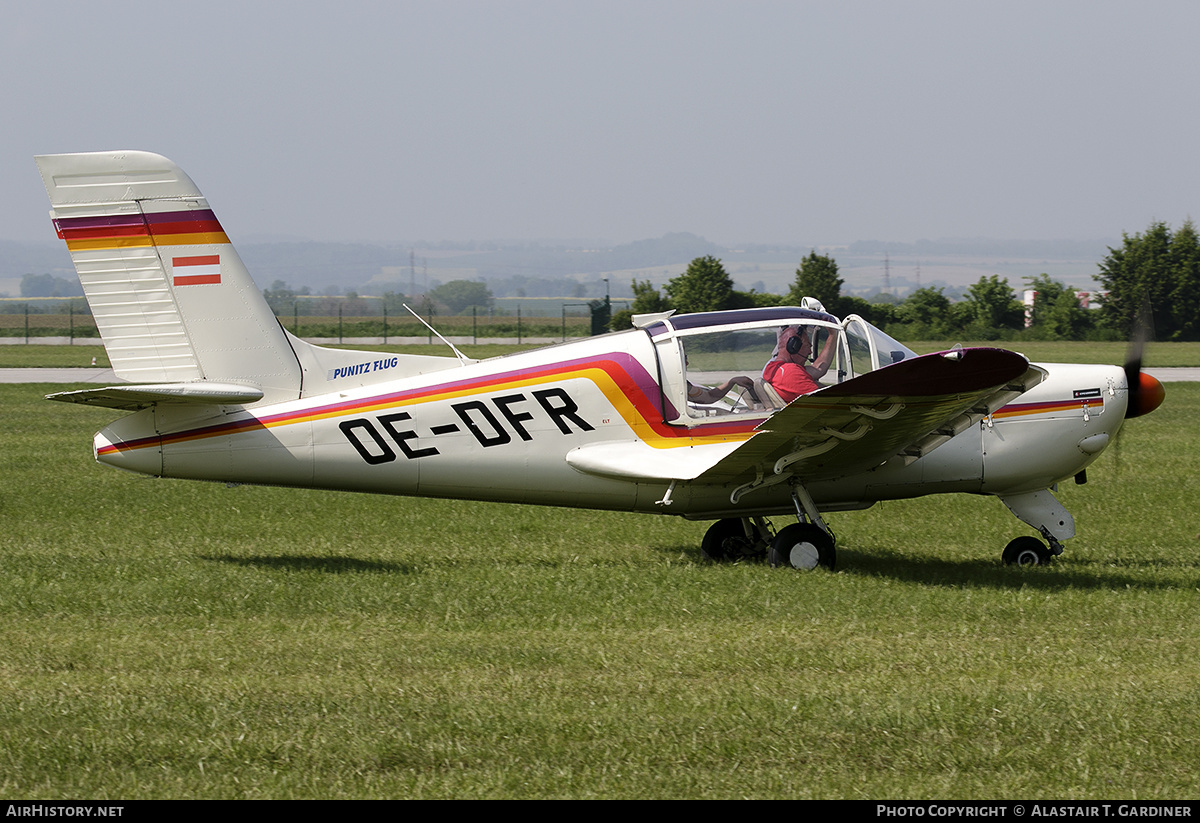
(1026, 551)
(803, 546)
(726, 540)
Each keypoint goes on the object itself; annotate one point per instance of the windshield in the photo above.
(870, 348)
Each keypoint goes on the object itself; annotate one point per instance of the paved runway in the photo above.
(106, 376)
(1175, 375)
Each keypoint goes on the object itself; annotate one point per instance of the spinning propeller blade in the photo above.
(1145, 392)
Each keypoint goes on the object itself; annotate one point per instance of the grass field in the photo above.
(166, 639)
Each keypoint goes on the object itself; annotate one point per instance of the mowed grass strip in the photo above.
(164, 639)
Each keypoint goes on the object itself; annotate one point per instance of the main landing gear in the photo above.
(804, 545)
(735, 538)
(807, 544)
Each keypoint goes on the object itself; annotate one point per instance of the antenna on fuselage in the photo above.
(465, 360)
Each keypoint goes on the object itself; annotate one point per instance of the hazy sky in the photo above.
(794, 122)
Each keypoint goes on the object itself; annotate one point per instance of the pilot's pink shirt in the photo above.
(789, 380)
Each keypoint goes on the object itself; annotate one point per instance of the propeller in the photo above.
(1145, 392)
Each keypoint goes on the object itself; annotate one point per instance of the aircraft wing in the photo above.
(908, 408)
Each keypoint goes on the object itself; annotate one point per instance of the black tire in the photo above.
(716, 547)
(803, 546)
(1026, 551)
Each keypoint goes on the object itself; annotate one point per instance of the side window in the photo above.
(725, 359)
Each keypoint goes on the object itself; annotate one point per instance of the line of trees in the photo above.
(1160, 268)
(991, 310)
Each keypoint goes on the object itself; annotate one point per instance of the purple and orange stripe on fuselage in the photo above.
(183, 228)
(1048, 407)
(620, 377)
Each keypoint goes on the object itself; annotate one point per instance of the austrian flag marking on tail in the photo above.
(196, 271)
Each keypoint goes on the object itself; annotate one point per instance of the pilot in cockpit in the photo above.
(788, 371)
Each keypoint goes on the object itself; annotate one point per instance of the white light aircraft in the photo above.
(220, 391)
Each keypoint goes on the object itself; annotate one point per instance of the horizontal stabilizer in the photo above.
(134, 397)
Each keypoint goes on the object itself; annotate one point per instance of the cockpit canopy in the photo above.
(708, 349)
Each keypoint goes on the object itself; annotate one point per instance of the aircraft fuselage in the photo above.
(499, 430)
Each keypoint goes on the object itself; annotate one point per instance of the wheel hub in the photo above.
(803, 556)
(1028, 557)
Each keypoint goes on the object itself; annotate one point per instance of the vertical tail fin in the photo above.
(172, 299)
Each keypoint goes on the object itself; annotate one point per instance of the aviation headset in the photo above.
(794, 342)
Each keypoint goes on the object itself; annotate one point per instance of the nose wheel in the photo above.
(1026, 551)
(1041, 510)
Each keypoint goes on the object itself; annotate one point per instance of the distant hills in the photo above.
(547, 269)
